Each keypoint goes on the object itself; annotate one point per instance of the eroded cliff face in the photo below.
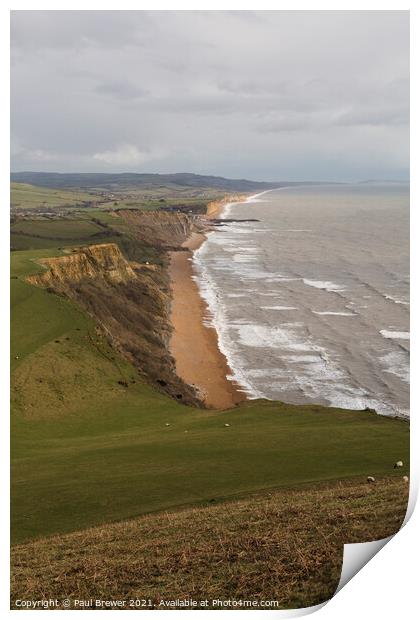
(159, 228)
(215, 207)
(131, 304)
(103, 261)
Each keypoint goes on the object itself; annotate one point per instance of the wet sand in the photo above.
(194, 345)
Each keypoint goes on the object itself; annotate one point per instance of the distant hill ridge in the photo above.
(138, 180)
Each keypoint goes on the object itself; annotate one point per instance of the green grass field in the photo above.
(39, 234)
(25, 196)
(37, 316)
(149, 198)
(49, 237)
(118, 459)
(86, 450)
(59, 229)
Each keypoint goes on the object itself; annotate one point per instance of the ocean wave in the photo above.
(218, 319)
(397, 301)
(395, 335)
(325, 285)
(397, 363)
(278, 308)
(330, 313)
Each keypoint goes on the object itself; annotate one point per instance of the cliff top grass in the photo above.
(32, 234)
(117, 458)
(283, 546)
(65, 229)
(27, 196)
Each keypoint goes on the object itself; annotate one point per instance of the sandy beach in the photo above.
(194, 345)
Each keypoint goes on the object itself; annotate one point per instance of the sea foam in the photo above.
(327, 286)
(397, 335)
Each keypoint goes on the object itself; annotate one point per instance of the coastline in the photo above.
(331, 394)
(215, 208)
(194, 343)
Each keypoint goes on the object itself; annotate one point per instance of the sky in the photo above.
(264, 95)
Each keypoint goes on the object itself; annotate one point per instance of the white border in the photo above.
(386, 587)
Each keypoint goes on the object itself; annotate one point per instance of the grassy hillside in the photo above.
(36, 234)
(134, 181)
(51, 201)
(97, 227)
(27, 196)
(58, 229)
(283, 546)
(88, 450)
(115, 457)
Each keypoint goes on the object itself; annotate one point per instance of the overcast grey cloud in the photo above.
(264, 95)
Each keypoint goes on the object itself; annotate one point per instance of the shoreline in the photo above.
(194, 342)
(224, 344)
(215, 208)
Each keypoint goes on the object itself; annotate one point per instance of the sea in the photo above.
(311, 301)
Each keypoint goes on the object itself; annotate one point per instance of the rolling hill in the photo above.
(138, 181)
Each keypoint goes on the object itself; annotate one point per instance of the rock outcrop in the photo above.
(103, 261)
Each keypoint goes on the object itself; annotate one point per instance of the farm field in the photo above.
(26, 196)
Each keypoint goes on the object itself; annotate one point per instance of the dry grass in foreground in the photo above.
(284, 546)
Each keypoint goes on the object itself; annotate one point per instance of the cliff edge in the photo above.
(129, 301)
